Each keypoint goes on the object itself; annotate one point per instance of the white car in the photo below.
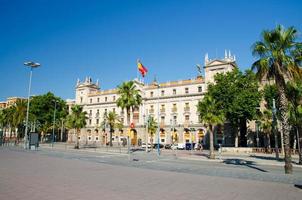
(181, 146)
(144, 145)
(174, 146)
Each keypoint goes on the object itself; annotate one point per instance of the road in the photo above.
(60, 174)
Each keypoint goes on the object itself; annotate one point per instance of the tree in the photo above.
(279, 58)
(19, 115)
(112, 120)
(129, 98)
(294, 93)
(42, 110)
(211, 116)
(152, 127)
(76, 120)
(266, 125)
(237, 95)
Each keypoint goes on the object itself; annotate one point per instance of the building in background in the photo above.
(177, 102)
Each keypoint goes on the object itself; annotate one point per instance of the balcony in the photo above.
(151, 111)
(162, 111)
(97, 115)
(174, 110)
(187, 109)
(90, 115)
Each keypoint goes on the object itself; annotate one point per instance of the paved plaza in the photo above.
(87, 174)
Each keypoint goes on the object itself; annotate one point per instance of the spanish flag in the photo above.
(141, 68)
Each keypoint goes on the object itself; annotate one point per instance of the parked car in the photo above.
(189, 146)
(160, 146)
(144, 145)
(174, 146)
(181, 146)
(168, 146)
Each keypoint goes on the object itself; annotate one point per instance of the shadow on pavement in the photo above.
(298, 186)
(272, 158)
(267, 158)
(236, 161)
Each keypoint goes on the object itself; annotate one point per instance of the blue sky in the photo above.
(102, 39)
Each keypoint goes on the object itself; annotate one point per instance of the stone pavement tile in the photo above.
(59, 178)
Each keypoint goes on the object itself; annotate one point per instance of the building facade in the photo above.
(172, 104)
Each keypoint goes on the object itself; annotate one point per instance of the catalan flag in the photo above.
(141, 68)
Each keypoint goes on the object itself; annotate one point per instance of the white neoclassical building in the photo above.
(175, 101)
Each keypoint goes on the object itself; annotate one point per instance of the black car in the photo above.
(168, 146)
(160, 146)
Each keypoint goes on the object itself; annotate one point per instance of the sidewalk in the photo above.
(251, 159)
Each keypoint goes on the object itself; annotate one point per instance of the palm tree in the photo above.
(266, 125)
(152, 127)
(294, 93)
(19, 114)
(210, 116)
(112, 120)
(279, 58)
(129, 97)
(76, 120)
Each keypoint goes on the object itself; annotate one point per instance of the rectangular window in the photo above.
(162, 92)
(162, 140)
(162, 119)
(113, 98)
(151, 94)
(96, 138)
(105, 99)
(97, 121)
(186, 90)
(90, 100)
(174, 91)
(199, 89)
(187, 117)
(89, 121)
(98, 100)
(113, 109)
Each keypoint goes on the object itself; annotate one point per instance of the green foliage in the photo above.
(209, 112)
(152, 126)
(77, 118)
(42, 109)
(294, 93)
(279, 54)
(129, 97)
(270, 92)
(236, 95)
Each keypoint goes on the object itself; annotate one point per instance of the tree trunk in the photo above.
(299, 133)
(288, 167)
(110, 135)
(77, 139)
(128, 116)
(236, 137)
(268, 141)
(212, 155)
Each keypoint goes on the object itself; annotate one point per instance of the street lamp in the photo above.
(32, 65)
(274, 110)
(158, 138)
(54, 121)
(257, 131)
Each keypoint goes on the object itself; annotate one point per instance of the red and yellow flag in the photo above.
(141, 68)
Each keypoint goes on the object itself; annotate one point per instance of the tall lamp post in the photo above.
(32, 65)
(158, 129)
(54, 122)
(275, 129)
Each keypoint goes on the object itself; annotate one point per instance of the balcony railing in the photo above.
(97, 115)
(151, 111)
(174, 110)
(162, 110)
(187, 109)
